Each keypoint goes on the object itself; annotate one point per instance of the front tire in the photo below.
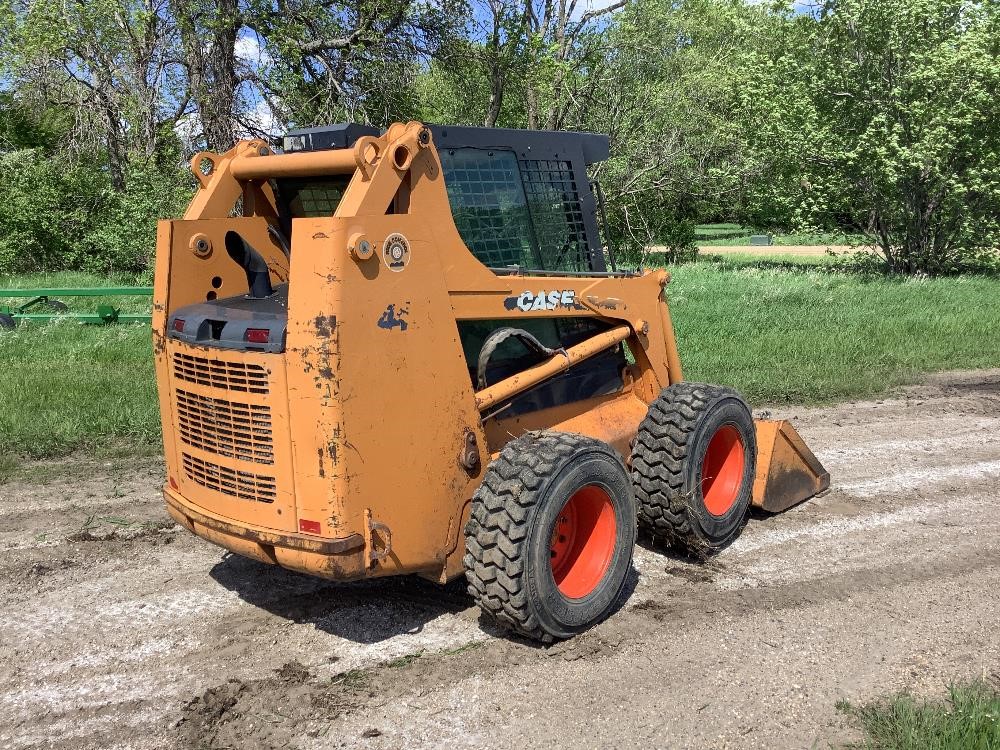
(550, 538)
(693, 466)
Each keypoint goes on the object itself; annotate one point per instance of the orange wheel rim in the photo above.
(722, 470)
(583, 542)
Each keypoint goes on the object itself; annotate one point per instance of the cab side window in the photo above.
(489, 206)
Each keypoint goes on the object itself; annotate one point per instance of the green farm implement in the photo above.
(43, 305)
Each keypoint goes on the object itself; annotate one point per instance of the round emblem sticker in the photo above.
(396, 252)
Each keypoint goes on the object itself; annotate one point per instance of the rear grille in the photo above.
(227, 428)
(240, 484)
(217, 373)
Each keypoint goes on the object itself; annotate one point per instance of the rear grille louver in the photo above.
(216, 373)
(244, 485)
(232, 438)
(226, 428)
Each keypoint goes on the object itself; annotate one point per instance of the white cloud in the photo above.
(250, 52)
(260, 117)
(188, 130)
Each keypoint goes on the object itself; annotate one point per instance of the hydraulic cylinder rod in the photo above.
(524, 380)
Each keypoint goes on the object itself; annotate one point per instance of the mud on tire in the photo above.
(693, 467)
(550, 537)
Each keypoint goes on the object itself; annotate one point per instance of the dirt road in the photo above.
(117, 630)
(802, 251)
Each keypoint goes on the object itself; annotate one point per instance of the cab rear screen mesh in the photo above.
(556, 213)
(316, 199)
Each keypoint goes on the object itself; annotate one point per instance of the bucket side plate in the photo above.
(787, 471)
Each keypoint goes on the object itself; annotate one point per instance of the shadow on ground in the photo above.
(375, 610)
(363, 611)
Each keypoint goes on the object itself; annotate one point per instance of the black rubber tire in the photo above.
(667, 462)
(7, 323)
(514, 512)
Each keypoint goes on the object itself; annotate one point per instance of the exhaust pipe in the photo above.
(252, 263)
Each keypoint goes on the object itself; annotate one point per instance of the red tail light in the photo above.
(310, 527)
(258, 335)
(179, 324)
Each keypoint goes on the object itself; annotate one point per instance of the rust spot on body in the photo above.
(325, 325)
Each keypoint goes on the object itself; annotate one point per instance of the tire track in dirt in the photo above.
(875, 586)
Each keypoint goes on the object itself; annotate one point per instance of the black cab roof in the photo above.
(527, 144)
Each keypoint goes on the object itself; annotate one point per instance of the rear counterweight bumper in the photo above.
(341, 559)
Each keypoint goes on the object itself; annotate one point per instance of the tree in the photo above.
(503, 55)
(671, 96)
(520, 63)
(908, 95)
(786, 184)
(353, 61)
(891, 125)
(569, 46)
(208, 31)
(109, 61)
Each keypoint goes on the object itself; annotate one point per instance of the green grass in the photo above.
(782, 331)
(737, 234)
(404, 661)
(799, 332)
(732, 238)
(720, 232)
(968, 720)
(776, 261)
(65, 386)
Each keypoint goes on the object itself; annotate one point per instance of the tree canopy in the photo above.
(877, 117)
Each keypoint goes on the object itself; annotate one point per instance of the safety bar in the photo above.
(526, 379)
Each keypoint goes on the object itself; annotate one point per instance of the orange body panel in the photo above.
(357, 450)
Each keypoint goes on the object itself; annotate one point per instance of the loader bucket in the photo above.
(787, 471)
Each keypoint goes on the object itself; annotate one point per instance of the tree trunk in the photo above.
(209, 42)
(532, 96)
(496, 96)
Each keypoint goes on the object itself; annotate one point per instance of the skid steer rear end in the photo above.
(404, 353)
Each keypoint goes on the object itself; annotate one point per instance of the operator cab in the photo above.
(521, 199)
(523, 204)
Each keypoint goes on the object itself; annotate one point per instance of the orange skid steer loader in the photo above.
(404, 353)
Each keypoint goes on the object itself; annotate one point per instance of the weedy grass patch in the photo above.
(969, 719)
(66, 386)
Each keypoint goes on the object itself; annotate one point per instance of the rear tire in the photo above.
(693, 466)
(7, 322)
(550, 537)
